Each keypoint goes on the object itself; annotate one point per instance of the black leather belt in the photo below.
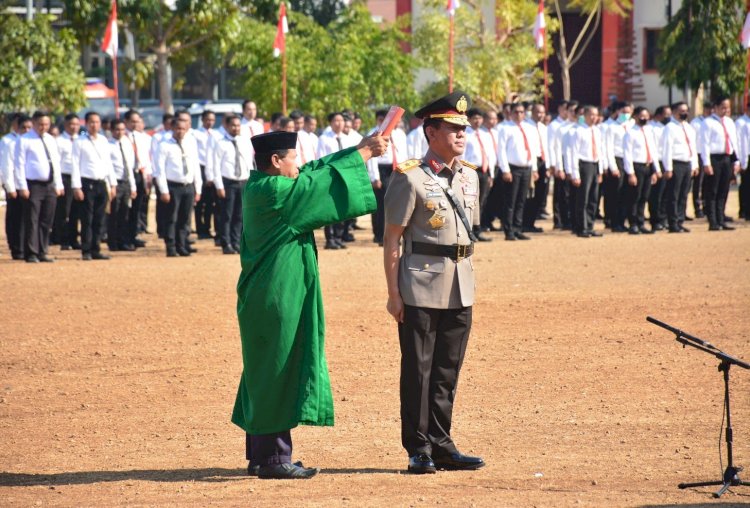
(455, 252)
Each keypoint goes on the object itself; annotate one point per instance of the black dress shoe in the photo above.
(99, 255)
(645, 231)
(347, 238)
(700, 215)
(139, 244)
(127, 247)
(533, 229)
(727, 227)
(482, 237)
(340, 243)
(17, 257)
(191, 249)
(657, 227)
(113, 248)
(65, 246)
(457, 461)
(619, 229)
(688, 217)
(521, 236)
(510, 237)
(634, 231)
(253, 470)
(684, 229)
(171, 253)
(675, 229)
(183, 252)
(421, 464)
(46, 259)
(727, 218)
(75, 246)
(584, 235)
(331, 245)
(596, 234)
(228, 250)
(237, 248)
(204, 236)
(715, 228)
(286, 472)
(32, 259)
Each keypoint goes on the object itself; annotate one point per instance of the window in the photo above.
(651, 49)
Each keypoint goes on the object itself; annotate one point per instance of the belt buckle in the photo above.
(461, 251)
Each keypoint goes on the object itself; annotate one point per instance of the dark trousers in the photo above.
(93, 208)
(536, 203)
(716, 188)
(484, 190)
(698, 189)
(118, 221)
(145, 198)
(14, 225)
(638, 195)
(162, 213)
(178, 213)
(334, 231)
(615, 210)
(38, 215)
(206, 209)
(492, 207)
(676, 193)
(141, 196)
(230, 208)
(65, 229)
(744, 193)
(561, 204)
(514, 199)
(433, 344)
(269, 449)
(657, 203)
(586, 198)
(378, 218)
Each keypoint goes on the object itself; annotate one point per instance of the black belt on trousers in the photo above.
(455, 252)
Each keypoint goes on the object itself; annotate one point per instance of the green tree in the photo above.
(352, 63)
(56, 82)
(322, 11)
(700, 47)
(592, 10)
(491, 61)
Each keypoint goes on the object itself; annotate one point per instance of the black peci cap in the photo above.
(273, 141)
(451, 108)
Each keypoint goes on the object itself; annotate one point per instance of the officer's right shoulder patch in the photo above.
(408, 165)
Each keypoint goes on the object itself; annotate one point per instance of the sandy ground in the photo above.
(117, 378)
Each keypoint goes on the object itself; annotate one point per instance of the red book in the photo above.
(391, 120)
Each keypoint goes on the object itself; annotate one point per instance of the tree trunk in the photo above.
(165, 90)
(565, 75)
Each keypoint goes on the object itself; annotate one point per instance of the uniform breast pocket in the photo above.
(424, 270)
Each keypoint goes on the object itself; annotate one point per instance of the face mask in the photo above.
(683, 116)
(642, 121)
(665, 121)
(581, 120)
(623, 117)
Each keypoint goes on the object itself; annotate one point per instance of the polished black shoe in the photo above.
(340, 243)
(139, 244)
(347, 238)
(700, 215)
(619, 229)
(458, 461)
(634, 231)
(204, 236)
(533, 229)
(237, 248)
(99, 255)
(584, 235)
(421, 464)
(510, 237)
(228, 250)
(645, 231)
(715, 228)
(254, 470)
(521, 236)
(75, 246)
(330, 244)
(357, 227)
(65, 246)
(727, 227)
(17, 257)
(127, 247)
(171, 253)
(32, 259)
(113, 248)
(183, 252)
(675, 229)
(728, 218)
(46, 259)
(596, 234)
(191, 249)
(482, 237)
(684, 229)
(657, 227)
(286, 472)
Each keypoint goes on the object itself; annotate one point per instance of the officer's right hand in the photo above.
(507, 177)
(395, 308)
(78, 194)
(632, 180)
(165, 197)
(372, 146)
(24, 194)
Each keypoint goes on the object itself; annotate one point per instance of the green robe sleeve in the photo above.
(331, 189)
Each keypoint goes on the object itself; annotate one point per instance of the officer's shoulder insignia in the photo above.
(469, 165)
(408, 165)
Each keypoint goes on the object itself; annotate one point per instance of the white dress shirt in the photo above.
(204, 138)
(568, 132)
(554, 140)
(397, 153)
(679, 144)
(352, 139)
(586, 146)
(514, 147)
(480, 148)
(638, 146)
(142, 149)
(538, 140)
(697, 124)
(603, 129)
(327, 143)
(717, 133)
(7, 164)
(615, 139)
(658, 129)
(123, 160)
(33, 161)
(92, 159)
(250, 128)
(416, 143)
(307, 145)
(225, 158)
(65, 147)
(172, 161)
(744, 140)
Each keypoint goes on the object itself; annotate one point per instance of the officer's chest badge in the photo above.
(430, 205)
(437, 221)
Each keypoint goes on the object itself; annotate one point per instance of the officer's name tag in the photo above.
(470, 190)
(434, 194)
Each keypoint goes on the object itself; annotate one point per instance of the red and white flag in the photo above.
(109, 42)
(745, 35)
(279, 44)
(539, 26)
(452, 6)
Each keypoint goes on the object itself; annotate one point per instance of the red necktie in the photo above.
(687, 140)
(135, 150)
(727, 145)
(485, 165)
(541, 143)
(645, 141)
(525, 144)
(393, 154)
(594, 154)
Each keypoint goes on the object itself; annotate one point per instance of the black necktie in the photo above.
(49, 159)
(184, 162)
(338, 141)
(237, 167)
(124, 161)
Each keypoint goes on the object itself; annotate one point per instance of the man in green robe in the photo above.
(285, 380)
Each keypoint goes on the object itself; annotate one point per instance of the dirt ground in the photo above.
(117, 378)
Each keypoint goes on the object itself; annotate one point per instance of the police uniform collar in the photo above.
(437, 164)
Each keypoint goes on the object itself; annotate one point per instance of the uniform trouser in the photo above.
(14, 224)
(433, 344)
(586, 197)
(561, 203)
(698, 188)
(65, 229)
(638, 195)
(141, 195)
(716, 189)
(206, 208)
(118, 221)
(514, 199)
(535, 204)
(177, 216)
(492, 208)
(378, 218)
(657, 203)
(230, 209)
(93, 208)
(676, 193)
(269, 449)
(614, 208)
(744, 192)
(38, 215)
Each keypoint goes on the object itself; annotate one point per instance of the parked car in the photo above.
(220, 109)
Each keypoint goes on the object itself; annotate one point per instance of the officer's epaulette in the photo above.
(408, 165)
(469, 165)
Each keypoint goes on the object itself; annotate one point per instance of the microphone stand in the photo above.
(731, 476)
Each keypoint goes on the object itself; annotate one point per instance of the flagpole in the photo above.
(546, 87)
(450, 55)
(283, 82)
(117, 88)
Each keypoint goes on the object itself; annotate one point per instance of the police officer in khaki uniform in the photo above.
(432, 204)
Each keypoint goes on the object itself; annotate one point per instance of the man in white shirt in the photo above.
(65, 229)
(333, 140)
(250, 124)
(518, 166)
(478, 151)
(142, 171)
(657, 205)
(743, 139)
(697, 123)
(492, 205)
(93, 182)
(206, 209)
(616, 188)
(561, 195)
(122, 154)
(587, 168)
(157, 139)
(720, 162)
(540, 146)
(39, 183)
(14, 228)
(180, 185)
(557, 173)
(641, 167)
(306, 144)
(309, 128)
(232, 163)
(679, 158)
(416, 142)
